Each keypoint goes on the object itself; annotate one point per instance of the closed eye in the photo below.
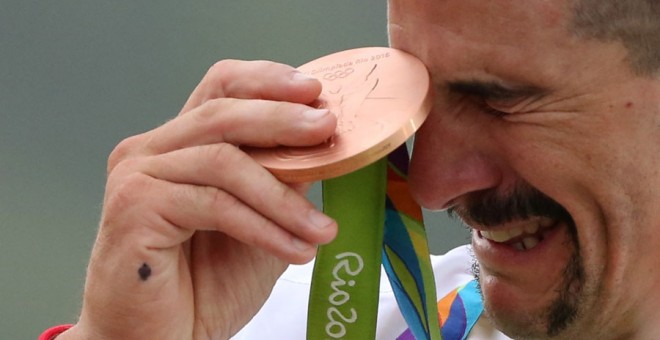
(483, 106)
(492, 111)
(481, 93)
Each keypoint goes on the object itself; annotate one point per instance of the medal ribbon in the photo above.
(378, 223)
(346, 281)
(406, 255)
(459, 311)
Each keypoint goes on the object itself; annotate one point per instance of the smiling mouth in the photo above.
(521, 236)
(519, 218)
(523, 240)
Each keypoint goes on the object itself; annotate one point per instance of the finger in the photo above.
(259, 123)
(207, 208)
(185, 208)
(228, 169)
(254, 80)
(242, 122)
(301, 188)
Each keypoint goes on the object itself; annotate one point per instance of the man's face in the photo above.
(547, 146)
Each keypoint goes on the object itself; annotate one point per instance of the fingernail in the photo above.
(319, 220)
(314, 115)
(299, 76)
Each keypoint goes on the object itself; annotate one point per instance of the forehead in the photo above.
(501, 20)
(448, 34)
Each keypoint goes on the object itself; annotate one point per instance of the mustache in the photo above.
(490, 208)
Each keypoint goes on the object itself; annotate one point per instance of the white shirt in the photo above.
(284, 315)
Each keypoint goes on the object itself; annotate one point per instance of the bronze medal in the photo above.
(380, 96)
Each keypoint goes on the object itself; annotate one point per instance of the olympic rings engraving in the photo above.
(339, 74)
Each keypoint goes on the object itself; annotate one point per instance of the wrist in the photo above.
(55, 332)
(73, 332)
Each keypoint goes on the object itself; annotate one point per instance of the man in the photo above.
(544, 138)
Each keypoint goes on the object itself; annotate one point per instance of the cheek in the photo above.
(561, 162)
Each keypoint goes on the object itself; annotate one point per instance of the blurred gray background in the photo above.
(76, 77)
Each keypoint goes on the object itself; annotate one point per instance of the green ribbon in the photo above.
(346, 281)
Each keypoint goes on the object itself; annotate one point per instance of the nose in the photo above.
(451, 158)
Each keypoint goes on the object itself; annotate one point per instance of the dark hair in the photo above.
(635, 23)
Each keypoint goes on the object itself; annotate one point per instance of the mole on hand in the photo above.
(144, 272)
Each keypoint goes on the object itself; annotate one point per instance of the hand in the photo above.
(194, 233)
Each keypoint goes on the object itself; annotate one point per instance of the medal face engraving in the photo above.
(380, 97)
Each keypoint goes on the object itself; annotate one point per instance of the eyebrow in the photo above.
(492, 90)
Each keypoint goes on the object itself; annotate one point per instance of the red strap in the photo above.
(52, 332)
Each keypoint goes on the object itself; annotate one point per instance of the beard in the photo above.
(490, 208)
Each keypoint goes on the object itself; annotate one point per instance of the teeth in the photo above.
(530, 229)
(515, 232)
(527, 243)
(530, 242)
(497, 236)
(545, 222)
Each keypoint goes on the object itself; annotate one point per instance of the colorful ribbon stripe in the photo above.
(459, 311)
(406, 259)
(406, 256)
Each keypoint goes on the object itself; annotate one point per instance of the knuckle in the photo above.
(223, 156)
(244, 79)
(123, 170)
(217, 78)
(222, 66)
(212, 107)
(222, 201)
(297, 131)
(123, 151)
(128, 193)
(230, 213)
(219, 74)
(284, 195)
